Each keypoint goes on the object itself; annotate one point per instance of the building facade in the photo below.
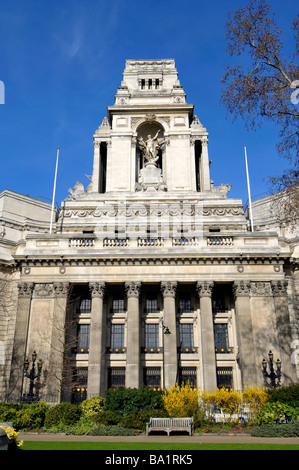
(151, 274)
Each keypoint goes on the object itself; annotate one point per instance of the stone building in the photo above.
(151, 274)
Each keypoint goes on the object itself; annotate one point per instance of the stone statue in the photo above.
(149, 149)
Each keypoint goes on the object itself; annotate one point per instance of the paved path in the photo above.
(227, 439)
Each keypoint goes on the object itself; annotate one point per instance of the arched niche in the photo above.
(144, 130)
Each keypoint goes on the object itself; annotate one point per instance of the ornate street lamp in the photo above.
(32, 376)
(272, 375)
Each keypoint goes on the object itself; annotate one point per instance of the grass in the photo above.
(126, 446)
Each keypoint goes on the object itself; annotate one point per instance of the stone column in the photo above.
(284, 335)
(97, 342)
(133, 335)
(205, 290)
(25, 290)
(170, 354)
(96, 167)
(205, 166)
(58, 341)
(246, 349)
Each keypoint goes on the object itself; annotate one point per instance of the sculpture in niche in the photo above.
(150, 148)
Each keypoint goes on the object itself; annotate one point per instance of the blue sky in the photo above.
(62, 61)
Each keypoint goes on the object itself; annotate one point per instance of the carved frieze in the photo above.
(44, 290)
(260, 288)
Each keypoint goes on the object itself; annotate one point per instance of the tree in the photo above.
(266, 85)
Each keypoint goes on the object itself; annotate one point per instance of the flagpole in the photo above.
(54, 191)
(249, 194)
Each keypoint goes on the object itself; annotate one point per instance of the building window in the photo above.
(151, 306)
(224, 377)
(185, 306)
(221, 337)
(85, 306)
(117, 337)
(186, 337)
(151, 337)
(116, 377)
(187, 375)
(152, 377)
(83, 339)
(79, 392)
(118, 305)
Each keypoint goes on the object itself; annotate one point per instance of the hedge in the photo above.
(276, 430)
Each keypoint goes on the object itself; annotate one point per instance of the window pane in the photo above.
(83, 338)
(151, 336)
(152, 377)
(117, 336)
(118, 305)
(151, 305)
(221, 336)
(224, 377)
(116, 377)
(85, 306)
(185, 305)
(186, 335)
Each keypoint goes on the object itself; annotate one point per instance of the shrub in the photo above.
(276, 410)
(181, 401)
(288, 395)
(24, 416)
(139, 420)
(255, 399)
(62, 413)
(276, 430)
(106, 418)
(14, 443)
(130, 400)
(92, 406)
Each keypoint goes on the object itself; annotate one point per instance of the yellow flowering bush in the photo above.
(13, 437)
(254, 399)
(180, 401)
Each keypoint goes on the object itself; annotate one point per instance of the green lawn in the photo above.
(111, 446)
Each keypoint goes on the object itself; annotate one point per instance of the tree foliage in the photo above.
(264, 85)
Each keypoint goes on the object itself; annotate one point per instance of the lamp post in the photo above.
(165, 331)
(32, 375)
(272, 375)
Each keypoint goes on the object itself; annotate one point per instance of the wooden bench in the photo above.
(170, 424)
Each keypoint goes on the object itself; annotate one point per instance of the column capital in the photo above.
(241, 288)
(168, 288)
(205, 288)
(279, 288)
(61, 289)
(25, 289)
(133, 288)
(97, 289)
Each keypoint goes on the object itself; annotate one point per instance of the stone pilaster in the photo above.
(170, 341)
(133, 379)
(97, 343)
(205, 290)
(60, 290)
(284, 334)
(25, 290)
(246, 350)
